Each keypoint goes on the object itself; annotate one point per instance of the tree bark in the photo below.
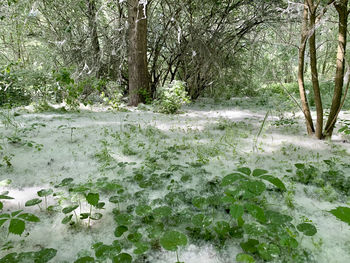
(94, 36)
(341, 7)
(303, 98)
(138, 66)
(314, 71)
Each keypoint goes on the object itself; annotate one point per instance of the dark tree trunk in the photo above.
(341, 7)
(139, 81)
(314, 71)
(94, 36)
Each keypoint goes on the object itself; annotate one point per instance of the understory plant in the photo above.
(171, 97)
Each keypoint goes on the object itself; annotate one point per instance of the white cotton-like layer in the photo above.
(223, 137)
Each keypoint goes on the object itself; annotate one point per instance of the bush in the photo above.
(171, 97)
(10, 92)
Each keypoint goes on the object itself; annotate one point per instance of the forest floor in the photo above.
(149, 155)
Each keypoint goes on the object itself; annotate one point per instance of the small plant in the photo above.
(17, 221)
(171, 97)
(172, 240)
(44, 255)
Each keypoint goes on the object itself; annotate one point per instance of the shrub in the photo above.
(171, 97)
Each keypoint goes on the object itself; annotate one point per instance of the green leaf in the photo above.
(84, 216)
(5, 215)
(122, 258)
(236, 211)
(120, 230)
(134, 237)
(250, 246)
(162, 211)
(2, 221)
(45, 192)
(258, 172)
(141, 248)
(231, 178)
(268, 251)
(307, 229)
(103, 251)
(201, 220)
(67, 219)
(66, 181)
(69, 209)
(244, 258)
(342, 213)
(33, 202)
(114, 199)
(6, 197)
(96, 216)
(45, 255)
(13, 214)
(222, 228)
(93, 198)
(124, 219)
(100, 205)
(1, 205)
(85, 260)
(143, 210)
(275, 181)
(17, 226)
(29, 217)
(171, 240)
(256, 212)
(244, 170)
(299, 165)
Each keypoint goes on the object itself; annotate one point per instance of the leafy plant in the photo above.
(17, 221)
(171, 97)
(42, 256)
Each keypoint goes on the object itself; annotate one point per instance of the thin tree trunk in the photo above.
(138, 66)
(314, 72)
(303, 98)
(341, 7)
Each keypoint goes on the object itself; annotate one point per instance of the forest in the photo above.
(174, 131)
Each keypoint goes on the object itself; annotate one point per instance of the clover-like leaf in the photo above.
(93, 198)
(120, 230)
(141, 248)
(122, 258)
(67, 219)
(162, 211)
(307, 229)
(69, 209)
(45, 192)
(33, 202)
(244, 258)
(114, 199)
(96, 216)
(44, 255)
(268, 251)
(171, 240)
(142, 210)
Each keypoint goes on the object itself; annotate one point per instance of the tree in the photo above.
(139, 81)
(308, 33)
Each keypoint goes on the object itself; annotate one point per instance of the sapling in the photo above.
(45, 193)
(172, 240)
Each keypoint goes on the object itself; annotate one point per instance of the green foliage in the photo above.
(42, 256)
(16, 221)
(171, 97)
(172, 240)
(342, 213)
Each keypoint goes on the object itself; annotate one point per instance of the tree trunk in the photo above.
(303, 98)
(341, 7)
(314, 72)
(138, 66)
(94, 36)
